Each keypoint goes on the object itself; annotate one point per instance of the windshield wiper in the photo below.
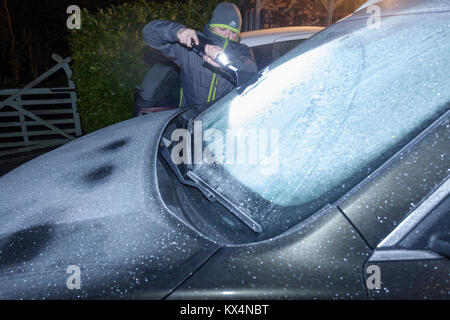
(240, 214)
(187, 177)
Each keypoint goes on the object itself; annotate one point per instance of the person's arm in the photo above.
(165, 37)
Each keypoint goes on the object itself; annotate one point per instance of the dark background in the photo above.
(31, 30)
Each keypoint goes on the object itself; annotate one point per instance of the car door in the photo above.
(160, 88)
(403, 212)
(413, 260)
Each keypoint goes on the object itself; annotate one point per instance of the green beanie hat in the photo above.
(227, 15)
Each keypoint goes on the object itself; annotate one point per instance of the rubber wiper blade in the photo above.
(208, 191)
(239, 213)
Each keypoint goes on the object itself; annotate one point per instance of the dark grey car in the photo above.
(345, 197)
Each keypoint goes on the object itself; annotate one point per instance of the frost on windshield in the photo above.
(339, 108)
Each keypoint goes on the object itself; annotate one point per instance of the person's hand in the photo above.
(186, 35)
(211, 53)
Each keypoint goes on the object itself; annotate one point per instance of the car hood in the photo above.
(93, 205)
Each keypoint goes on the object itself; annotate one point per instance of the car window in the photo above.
(161, 86)
(325, 115)
(286, 46)
(435, 225)
(263, 55)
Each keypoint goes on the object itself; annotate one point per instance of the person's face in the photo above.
(226, 33)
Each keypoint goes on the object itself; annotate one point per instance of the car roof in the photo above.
(265, 36)
(402, 7)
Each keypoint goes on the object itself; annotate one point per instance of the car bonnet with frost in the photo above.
(343, 102)
(94, 203)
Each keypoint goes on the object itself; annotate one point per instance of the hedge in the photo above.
(107, 54)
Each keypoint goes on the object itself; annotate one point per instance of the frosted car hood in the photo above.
(94, 203)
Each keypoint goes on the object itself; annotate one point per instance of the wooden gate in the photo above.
(35, 118)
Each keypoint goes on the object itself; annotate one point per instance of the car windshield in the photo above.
(324, 116)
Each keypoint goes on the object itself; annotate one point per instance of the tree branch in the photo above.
(15, 62)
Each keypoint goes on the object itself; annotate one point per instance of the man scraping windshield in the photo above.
(200, 80)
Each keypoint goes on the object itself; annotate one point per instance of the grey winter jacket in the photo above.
(200, 82)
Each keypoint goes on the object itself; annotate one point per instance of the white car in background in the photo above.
(270, 44)
(161, 87)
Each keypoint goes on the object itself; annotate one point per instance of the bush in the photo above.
(107, 58)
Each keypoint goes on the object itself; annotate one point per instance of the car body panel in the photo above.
(322, 258)
(94, 203)
(408, 259)
(418, 279)
(379, 204)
